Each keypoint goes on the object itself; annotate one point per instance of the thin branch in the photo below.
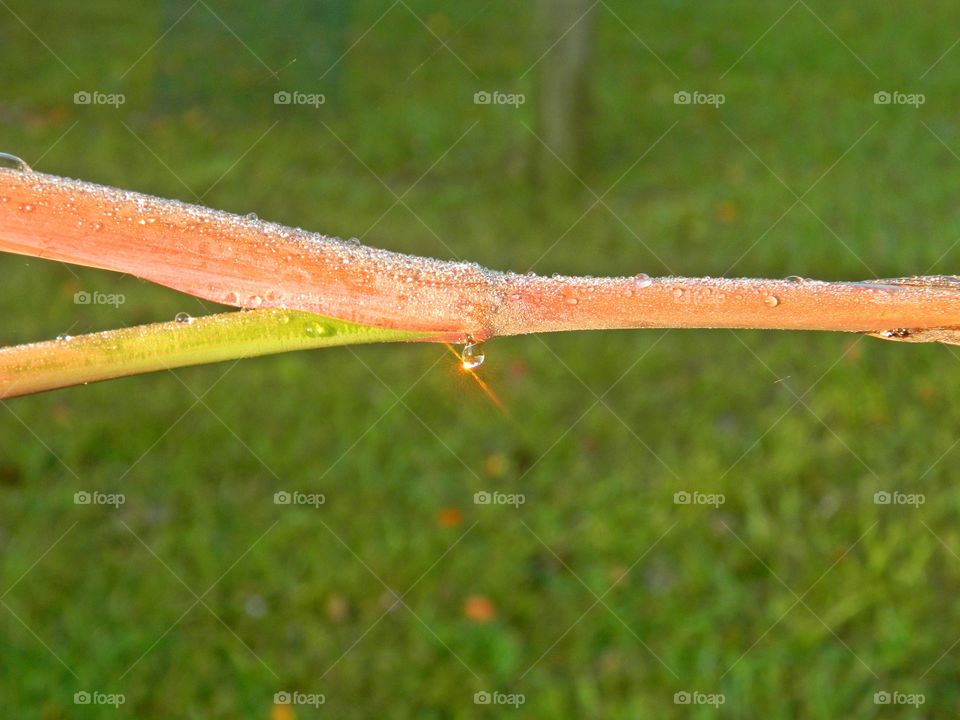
(66, 361)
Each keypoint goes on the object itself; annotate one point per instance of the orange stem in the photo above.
(246, 262)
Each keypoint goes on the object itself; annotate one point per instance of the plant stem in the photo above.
(246, 262)
(374, 295)
(36, 367)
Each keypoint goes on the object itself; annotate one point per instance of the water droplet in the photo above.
(354, 241)
(771, 301)
(4, 199)
(98, 226)
(283, 319)
(12, 161)
(64, 338)
(678, 293)
(141, 221)
(255, 301)
(25, 207)
(231, 298)
(252, 216)
(472, 356)
(315, 329)
(642, 280)
(515, 296)
(572, 301)
(795, 279)
(184, 318)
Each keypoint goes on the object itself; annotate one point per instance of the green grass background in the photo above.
(297, 596)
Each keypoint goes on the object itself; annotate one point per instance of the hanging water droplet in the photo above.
(771, 301)
(642, 280)
(795, 279)
(184, 318)
(472, 356)
(252, 216)
(12, 161)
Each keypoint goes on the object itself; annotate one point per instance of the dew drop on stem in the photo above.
(183, 318)
(315, 329)
(12, 161)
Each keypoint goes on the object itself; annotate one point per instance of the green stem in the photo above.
(35, 367)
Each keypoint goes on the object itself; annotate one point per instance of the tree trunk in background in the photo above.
(564, 96)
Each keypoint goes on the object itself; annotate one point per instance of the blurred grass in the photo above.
(294, 591)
